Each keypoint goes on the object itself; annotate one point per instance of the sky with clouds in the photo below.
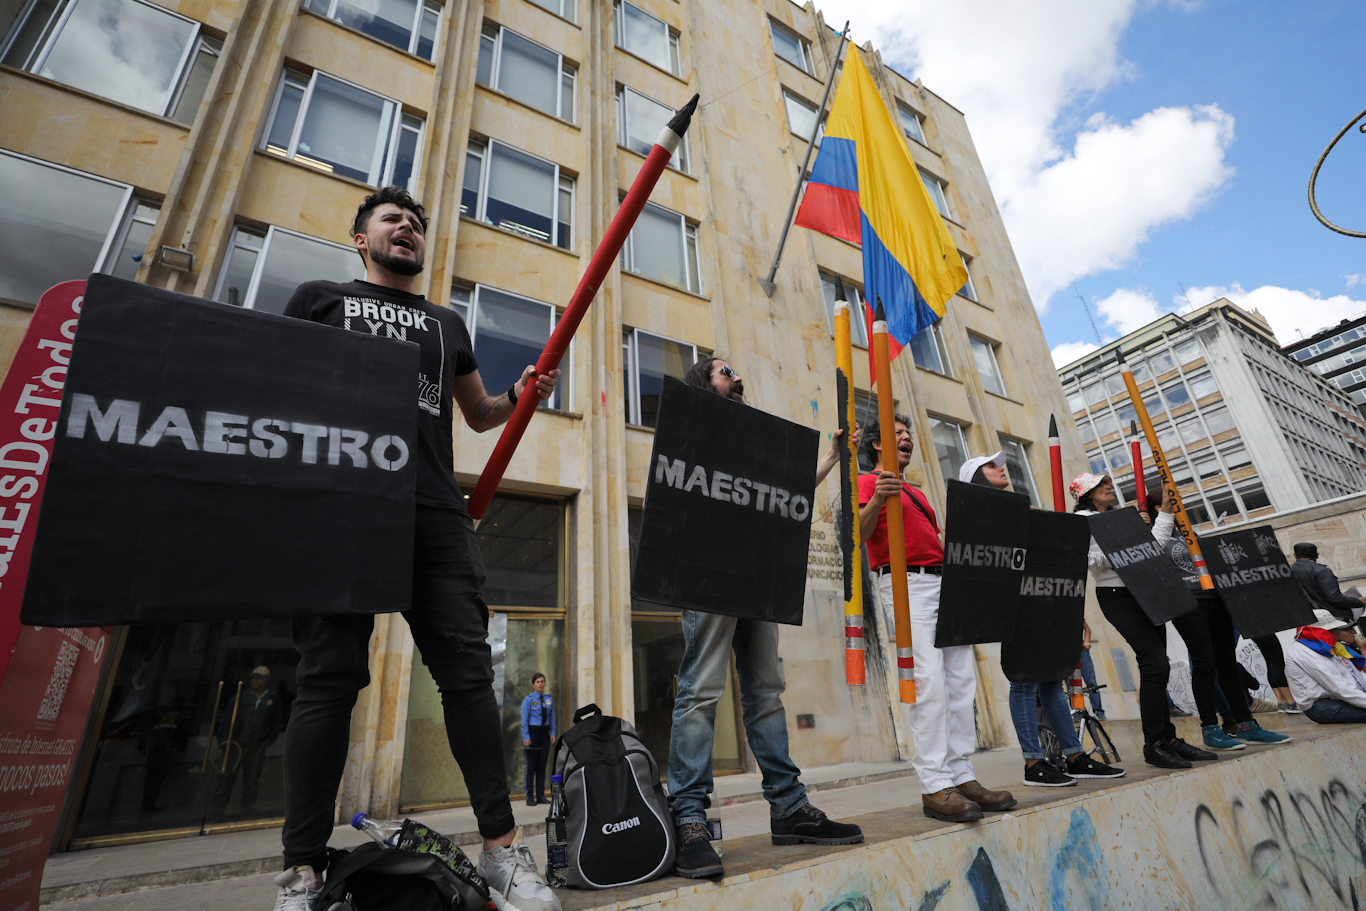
(1153, 155)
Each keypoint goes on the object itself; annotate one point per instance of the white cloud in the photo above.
(1290, 312)
(1078, 199)
(1354, 279)
(1127, 309)
(1068, 352)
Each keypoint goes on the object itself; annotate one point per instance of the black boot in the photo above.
(807, 824)
(696, 858)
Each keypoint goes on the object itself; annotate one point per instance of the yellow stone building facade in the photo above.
(245, 132)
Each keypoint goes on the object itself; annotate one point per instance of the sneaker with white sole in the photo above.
(514, 882)
(1289, 708)
(298, 887)
(1215, 738)
(1043, 775)
(1080, 765)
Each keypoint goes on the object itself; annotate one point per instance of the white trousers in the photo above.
(942, 721)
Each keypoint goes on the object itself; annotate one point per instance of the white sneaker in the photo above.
(298, 887)
(514, 882)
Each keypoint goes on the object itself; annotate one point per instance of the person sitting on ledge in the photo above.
(1325, 668)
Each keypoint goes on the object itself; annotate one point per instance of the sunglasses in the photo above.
(727, 372)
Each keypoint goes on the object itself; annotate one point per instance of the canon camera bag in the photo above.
(617, 821)
(374, 877)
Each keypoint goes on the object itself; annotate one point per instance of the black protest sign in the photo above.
(1142, 564)
(986, 532)
(1048, 626)
(727, 519)
(214, 463)
(1252, 576)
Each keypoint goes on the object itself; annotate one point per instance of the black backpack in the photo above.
(617, 820)
(374, 877)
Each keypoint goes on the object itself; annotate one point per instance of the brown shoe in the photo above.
(991, 801)
(950, 806)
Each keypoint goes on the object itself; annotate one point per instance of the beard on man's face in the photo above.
(396, 264)
(737, 391)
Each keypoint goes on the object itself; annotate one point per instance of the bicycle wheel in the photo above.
(1051, 746)
(1105, 747)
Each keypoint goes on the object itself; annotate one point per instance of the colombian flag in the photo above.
(865, 189)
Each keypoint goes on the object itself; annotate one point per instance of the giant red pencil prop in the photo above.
(896, 531)
(1164, 475)
(1055, 461)
(1140, 492)
(603, 257)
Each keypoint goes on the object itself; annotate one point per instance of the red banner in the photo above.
(49, 675)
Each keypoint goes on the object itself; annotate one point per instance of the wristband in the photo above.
(512, 393)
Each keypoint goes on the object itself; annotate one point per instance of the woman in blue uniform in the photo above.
(538, 733)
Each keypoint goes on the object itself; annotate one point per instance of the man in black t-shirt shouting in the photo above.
(448, 616)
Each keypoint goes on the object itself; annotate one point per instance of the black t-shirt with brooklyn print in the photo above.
(446, 354)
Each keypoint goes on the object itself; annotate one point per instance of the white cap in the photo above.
(1328, 621)
(971, 465)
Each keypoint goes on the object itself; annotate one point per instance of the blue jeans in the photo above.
(1326, 710)
(1024, 701)
(707, 643)
(1088, 676)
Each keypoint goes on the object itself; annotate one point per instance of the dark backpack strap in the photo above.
(906, 488)
(584, 711)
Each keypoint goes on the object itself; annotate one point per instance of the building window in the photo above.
(1075, 402)
(343, 129)
(1187, 351)
(792, 47)
(1105, 424)
(969, 290)
(1254, 497)
(1017, 463)
(984, 356)
(910, 123)
(78, 233)
(858, 328)
(1155, 406)
(1176, 395)
(530, 72)
(938, 192)
(801, 117)
(663, 246)
(1118, 455)
(263, 269)
(135, 53)
(1097, 462)
(1195, 510)
(1190, 431)
(132, 243)
(518, 192)
(1126, 415)
(1087, 432)
(866, 415)
(1094, 392)
(639, 122)
(1201, 385)
(1161, 362)
(410, 25)
(1114, 385)
(649, 358)
(1218, 420)
(950, 448)
(1207, 467)
(927, 347)
(508, 332)
(1222, 506)
(568, 9)
(645, 36)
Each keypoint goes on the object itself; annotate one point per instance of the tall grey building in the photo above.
(1338, 354)
(1247, 431)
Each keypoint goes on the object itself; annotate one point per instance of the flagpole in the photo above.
(603, 257)
(896, 531)
(767, 283)
(848, 527)
(1164, 474)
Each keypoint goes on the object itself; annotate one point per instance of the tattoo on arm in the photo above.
(491, 405)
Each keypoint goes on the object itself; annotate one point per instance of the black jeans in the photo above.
(1275, 660)
(449, 621)
(1208, 633)
(1149, 643)
(536, 756)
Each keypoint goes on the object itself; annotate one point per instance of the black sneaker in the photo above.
(1082, 766)
(696, 857)
(1043, 775)
(1161, 755)
(807, 824)
(1187, 751)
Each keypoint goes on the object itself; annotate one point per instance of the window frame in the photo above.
(57, 23)
(249, 302)
(423, 7)
(975, 340)
(808, 66)
(485, 155)
(904, 110)
(683, 155)
(631, 357)
(563, 396)
(789, 98)
(939, 198)
(1006, 443)
(671, 37)
(568, 71)
(692, 269)
(941, 349)
(858, 336)
(130, 217)
(969, 290)
(291, 77)
(962, 442)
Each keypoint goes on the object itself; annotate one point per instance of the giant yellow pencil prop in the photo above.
(848, 529)
(896, 531)
(1164, 474)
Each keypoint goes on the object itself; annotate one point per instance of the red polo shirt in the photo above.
(922, 527)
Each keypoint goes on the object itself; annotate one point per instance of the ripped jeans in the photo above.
(449, 621)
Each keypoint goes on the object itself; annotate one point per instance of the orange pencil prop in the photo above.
(1164, 474)
(849, 529)
(896, 531)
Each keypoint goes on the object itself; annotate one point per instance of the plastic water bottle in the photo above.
(556, 838)
(714, 834)
(383, 831)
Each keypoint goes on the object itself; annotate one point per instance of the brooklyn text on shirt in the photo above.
(727, 489)
(234, 434)
(394, 320)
